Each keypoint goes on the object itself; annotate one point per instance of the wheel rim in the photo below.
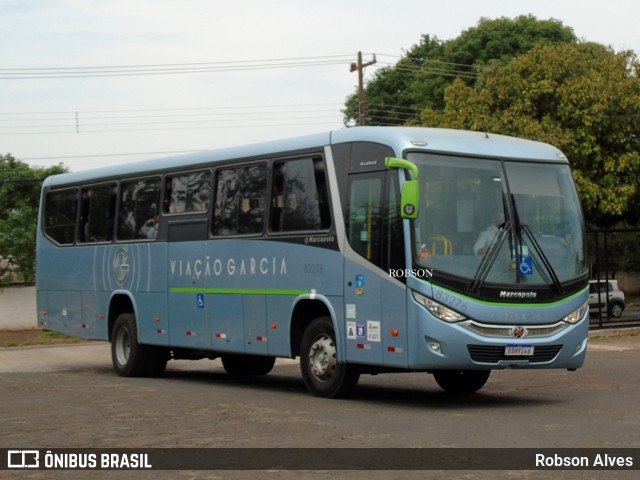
(322, 358)
(616, 310)
(123, 346)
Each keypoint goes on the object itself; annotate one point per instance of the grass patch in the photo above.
(28, 338)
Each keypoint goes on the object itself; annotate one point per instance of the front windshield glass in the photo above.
(493, 221)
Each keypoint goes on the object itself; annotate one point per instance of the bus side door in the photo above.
(188, 303)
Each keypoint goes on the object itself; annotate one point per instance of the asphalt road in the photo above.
(68, 396)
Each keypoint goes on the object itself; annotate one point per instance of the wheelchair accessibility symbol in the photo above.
(200, 300)
(525, 266)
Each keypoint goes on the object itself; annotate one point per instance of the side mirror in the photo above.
(410, 198)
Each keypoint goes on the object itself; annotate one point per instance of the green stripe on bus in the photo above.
(238, 291)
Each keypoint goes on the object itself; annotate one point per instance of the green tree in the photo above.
(393, 94)
(582, 97)
(396, 95)
(505, 38)
(19, 199)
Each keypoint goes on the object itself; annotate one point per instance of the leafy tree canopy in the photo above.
(396, 95)
(581, 97)
(19, 199)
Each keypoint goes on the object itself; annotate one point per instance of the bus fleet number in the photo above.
(313, 268)
(451, 300)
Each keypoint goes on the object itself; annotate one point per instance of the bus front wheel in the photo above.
(323, 375)
(130, 358)
(461, 382)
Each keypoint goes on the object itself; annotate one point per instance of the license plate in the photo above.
(518, 350)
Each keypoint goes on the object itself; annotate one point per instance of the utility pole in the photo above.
(362, 117)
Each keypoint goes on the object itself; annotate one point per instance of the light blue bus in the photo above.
(360, 251)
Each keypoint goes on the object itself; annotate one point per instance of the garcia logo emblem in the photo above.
(121, 266)
(519, 332)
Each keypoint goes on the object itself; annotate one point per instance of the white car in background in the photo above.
(603, 292)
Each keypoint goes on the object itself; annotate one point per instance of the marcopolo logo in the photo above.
(518, 295)
(411, 272)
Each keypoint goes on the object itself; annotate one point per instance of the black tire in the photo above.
(323, 375)
(247, 364)
(129, 358)
(461, 382)
(616, 309)
(157, 358)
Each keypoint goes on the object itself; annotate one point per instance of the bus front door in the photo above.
(375, 301)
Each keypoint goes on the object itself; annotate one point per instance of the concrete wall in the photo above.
(630, 281)
(18, 308)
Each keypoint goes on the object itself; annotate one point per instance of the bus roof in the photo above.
(399, 139)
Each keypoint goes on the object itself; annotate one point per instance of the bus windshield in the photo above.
(498, 221)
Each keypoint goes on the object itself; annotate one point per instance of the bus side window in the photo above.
(300, 198)
(60, 215)
(97, 212)
(188, 192)
(139, 209)
(240, 200)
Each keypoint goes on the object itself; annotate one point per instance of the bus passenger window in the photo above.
(97, 212)
(188, 192)
(60, 215)
(300, 199)
(240, 200)
(139, 209)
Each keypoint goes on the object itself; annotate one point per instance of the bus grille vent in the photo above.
(495, 353)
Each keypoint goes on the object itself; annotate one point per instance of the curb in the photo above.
(614, 333)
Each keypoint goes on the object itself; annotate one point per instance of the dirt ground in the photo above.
(68, 396)
(32, 337)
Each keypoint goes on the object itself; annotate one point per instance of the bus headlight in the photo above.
(576, 315)
(437, 309)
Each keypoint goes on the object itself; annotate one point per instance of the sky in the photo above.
(88, 83)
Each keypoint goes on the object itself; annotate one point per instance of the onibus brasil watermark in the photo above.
(322, 459)
(90, 459)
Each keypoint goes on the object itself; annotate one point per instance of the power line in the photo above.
(97, 155)
(159, 129)
(170, 68)
(290, 59)
(94, 121)
(424, 60)
(176, 109)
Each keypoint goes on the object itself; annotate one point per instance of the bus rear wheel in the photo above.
(323, 375)
(247, 364)
(130, 358)
(461, 382)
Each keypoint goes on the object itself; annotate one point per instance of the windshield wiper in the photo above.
(489, 257)
(523, 227)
